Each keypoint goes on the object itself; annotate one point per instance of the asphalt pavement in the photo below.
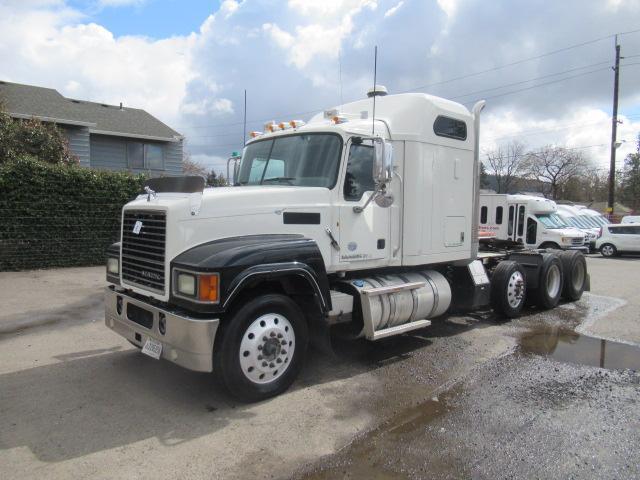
(471, 396)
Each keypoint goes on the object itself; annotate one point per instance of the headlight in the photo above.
(204, 287)
(565, 239)
(187, 284)
(113, 265)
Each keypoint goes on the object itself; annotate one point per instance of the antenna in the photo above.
(375, 71)
(340, 75)
(244, 123)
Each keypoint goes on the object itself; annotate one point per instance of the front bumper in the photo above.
(187, 342)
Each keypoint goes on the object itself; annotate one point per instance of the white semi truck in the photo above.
(527, 220)
(345, 222)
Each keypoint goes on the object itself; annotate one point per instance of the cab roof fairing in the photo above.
(406, 116)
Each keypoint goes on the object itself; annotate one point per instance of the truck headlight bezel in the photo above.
(199, 287)
(113, 266)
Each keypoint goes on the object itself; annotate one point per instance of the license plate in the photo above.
(153, 348)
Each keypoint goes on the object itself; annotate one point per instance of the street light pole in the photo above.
(614, 131)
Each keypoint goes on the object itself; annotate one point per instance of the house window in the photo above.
(148, 156)
(450, 128)
(135, 154)
(154, 156)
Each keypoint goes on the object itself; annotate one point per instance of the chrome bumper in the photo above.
(187, 342)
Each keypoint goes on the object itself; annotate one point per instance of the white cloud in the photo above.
(287, 59)
(394, 9)
(448, 6)
(586, 129)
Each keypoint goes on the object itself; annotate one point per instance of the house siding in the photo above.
(173, 158)
(110, 153)
(78, 139)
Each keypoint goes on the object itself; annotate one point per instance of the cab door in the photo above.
(364, 236)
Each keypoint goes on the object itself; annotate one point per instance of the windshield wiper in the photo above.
(279, 179)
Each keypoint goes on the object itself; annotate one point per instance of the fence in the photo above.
(59, 216)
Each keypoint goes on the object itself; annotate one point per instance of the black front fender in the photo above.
(240, 260)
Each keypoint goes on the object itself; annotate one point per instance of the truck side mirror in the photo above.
(383, 161)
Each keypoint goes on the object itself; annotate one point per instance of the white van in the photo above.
(571, 215)
(618, 239)
(596, 218)
(630, 219)
(532, 221)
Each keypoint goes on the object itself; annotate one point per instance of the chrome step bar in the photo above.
(407, 327)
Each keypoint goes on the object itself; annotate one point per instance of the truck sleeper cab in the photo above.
(345, 222)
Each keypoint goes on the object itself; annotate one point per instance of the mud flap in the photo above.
(587, 283)
(320, 337)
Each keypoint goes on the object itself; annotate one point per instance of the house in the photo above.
(101, 136)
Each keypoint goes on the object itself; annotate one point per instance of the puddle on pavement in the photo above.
(367, 457)
(571, 347)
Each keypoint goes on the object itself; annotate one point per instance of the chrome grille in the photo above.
(577, 241)
(143, 253)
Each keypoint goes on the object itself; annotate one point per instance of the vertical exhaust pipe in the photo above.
(475, 242)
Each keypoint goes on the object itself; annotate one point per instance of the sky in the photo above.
(543, 67)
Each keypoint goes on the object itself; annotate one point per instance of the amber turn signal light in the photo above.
(209, 288)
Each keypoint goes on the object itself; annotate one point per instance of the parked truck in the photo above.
(348, 222)
(527, 220)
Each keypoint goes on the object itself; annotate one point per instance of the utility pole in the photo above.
(614, 130)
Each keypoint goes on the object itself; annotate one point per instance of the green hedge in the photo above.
(59, 215)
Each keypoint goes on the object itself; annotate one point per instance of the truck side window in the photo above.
(450, 128)
(510, 226)
(499, 215)
(521, 221)
(359, 177)
(483, 215)
(532, 229)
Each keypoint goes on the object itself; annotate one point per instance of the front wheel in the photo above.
(262, 348)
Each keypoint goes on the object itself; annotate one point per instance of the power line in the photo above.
(535, 78)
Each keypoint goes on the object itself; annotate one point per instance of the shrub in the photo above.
(43, 141)
(57, 215)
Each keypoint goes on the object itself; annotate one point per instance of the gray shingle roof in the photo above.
(48, 104)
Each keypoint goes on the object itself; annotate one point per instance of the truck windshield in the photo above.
(551, 220)
(305, 160)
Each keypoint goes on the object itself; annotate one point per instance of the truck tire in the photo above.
(262, 348)
(574, 268)
(608, 250)
(550, 283)
(508, 288)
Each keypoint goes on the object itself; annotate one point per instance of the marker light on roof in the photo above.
(270, 126)
(339, 119)
(283, 125)
(255, 134)
(296, 123)
(328, 114)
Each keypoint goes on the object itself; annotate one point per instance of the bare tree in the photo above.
(506, 164)
(191, 167)
(555, 167)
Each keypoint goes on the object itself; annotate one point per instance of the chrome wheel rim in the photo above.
(267, 348)
(553, 281)
(607, 250)
(515, 289)
(578, 276)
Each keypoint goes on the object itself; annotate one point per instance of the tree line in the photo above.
(558, 173)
